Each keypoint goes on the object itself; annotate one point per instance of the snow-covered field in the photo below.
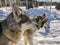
(43, 37)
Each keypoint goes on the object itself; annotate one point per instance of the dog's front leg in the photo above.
(14, 44)
(28, 37)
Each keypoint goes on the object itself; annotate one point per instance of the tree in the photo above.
(31, 4)
(0, 3)
(57, 6)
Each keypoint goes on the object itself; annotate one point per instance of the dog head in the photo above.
(19, 15)
(16, 13)
(41, 21)
(44, 22)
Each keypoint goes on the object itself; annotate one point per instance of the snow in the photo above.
(4, 12)
(43, 36)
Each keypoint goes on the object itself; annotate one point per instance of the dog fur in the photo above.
(18, 25)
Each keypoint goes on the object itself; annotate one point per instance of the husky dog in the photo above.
(21, 24)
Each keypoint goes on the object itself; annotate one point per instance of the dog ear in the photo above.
(44, 14)
(16, 10)
(44, 17)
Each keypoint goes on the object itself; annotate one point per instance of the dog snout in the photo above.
(46, 27)
(49, 27)
(36, 25)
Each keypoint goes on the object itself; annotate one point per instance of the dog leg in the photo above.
(28, 37)
(17, 38)
(14, 44)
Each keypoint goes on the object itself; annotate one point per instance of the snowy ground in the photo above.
(44, 37)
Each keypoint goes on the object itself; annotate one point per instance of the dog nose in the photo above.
(49, 27)
(37, 26)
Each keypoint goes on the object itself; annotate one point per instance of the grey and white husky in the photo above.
(20, 24)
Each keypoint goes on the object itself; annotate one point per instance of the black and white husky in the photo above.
(21, 24)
